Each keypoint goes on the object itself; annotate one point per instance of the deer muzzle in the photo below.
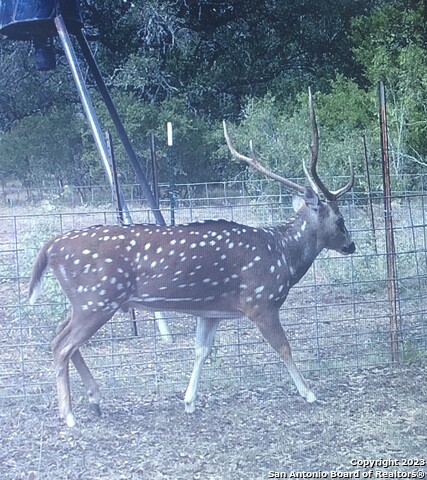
(348, 249)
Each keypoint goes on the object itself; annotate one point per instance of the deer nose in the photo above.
(349, 249)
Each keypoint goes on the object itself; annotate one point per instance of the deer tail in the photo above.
(39, 268)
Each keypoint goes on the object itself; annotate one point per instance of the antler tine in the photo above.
(253, 162)
(312, 175)
(341, 191)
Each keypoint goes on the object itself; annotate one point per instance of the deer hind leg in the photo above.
(272, 331)
(205, 335)
(89, 382)
(61, 363)
(71, 335)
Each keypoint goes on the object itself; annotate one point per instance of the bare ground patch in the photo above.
(245, 432)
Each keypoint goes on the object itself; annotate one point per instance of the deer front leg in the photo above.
(205, 334)
(272, 331)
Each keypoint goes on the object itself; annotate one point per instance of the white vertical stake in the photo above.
(170, 134)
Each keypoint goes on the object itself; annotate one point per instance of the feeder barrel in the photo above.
(29, 19)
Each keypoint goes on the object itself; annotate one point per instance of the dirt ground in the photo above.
(257, 432)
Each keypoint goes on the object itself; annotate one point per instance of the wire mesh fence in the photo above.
(337, 317)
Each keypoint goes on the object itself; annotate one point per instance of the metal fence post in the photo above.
(388, 218)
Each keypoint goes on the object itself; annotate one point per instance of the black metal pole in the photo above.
(123, 213)
(154, 169)
(93, 67)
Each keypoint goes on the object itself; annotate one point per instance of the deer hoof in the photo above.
(190, 407)
(95, 409)
(311, 397)
(70, 420)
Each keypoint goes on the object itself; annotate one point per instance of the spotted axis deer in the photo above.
(211, 269)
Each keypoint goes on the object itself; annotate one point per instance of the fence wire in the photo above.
(337, 317)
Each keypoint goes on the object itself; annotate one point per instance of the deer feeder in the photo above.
(33, 20)
(41, 21)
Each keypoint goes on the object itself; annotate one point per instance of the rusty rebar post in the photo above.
(389, 233)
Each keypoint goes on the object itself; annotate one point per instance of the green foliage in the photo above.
(345, 115)
(282, 140)
(44, 145)
(390, 44)
(196, 62)
(193, 141)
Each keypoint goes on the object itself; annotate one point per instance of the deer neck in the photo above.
(298, 241)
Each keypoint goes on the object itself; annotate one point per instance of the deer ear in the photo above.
(310, 199)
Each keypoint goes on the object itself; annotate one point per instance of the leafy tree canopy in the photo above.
(195, 62)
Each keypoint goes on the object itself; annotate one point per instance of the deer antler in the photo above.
(253, 162)
(312, 175)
